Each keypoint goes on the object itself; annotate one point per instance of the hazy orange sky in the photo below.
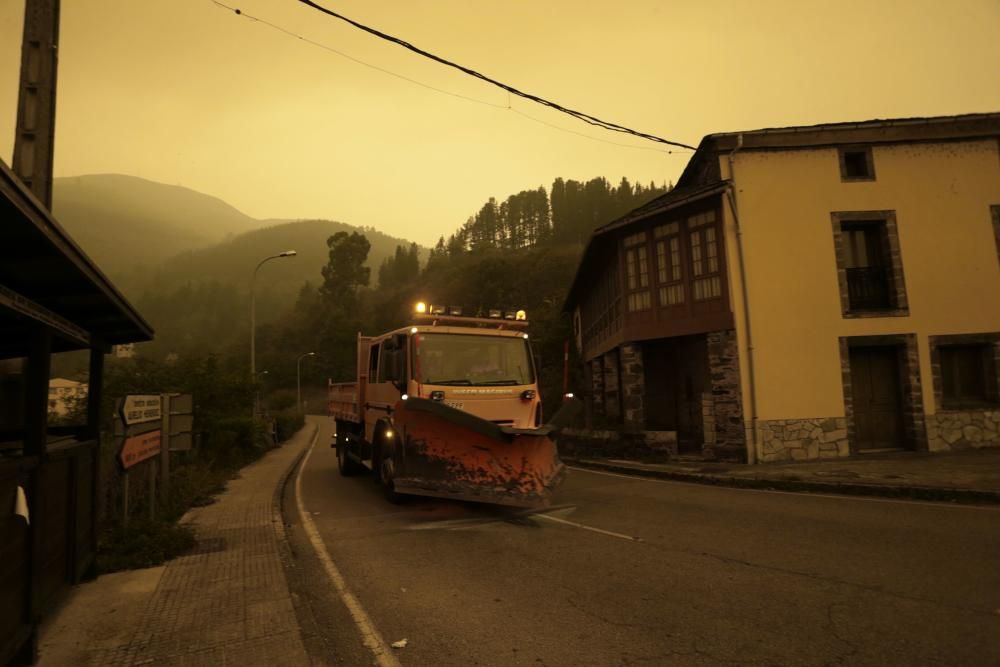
(187, 93)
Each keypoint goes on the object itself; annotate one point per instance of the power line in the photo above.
(257, 19)
(587, 118)
(587, 136)
(507, 107)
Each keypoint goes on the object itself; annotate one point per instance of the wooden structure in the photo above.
(53, 298)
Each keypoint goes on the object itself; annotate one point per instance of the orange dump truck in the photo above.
(448, 407)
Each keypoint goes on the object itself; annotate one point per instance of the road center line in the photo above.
(630, 538)
(640, 478)
(370, 635)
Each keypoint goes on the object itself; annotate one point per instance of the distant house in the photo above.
(65, 395)
(124, 351)
(806, 292)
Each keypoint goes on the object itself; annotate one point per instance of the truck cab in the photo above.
(448, 407)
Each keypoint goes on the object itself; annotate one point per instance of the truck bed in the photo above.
(343, 401)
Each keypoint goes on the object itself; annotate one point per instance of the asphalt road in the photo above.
(629, 571)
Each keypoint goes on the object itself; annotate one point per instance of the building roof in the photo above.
(702, 177)
(46, 277)
(879, 131)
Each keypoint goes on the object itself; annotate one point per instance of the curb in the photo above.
(931, 493)
(277, 504)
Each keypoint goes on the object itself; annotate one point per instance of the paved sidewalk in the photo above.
(968, 476)
(226, 603)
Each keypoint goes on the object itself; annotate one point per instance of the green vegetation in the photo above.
(518, 253)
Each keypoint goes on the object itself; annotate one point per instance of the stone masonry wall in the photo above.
(963, 430)
(803, 439)
(633, 387)
(728, 440)
(597, 385)
(612, 401)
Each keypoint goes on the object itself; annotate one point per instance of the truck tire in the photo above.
(385, 480)
(348, 467)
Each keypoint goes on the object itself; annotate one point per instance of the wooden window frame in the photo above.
(893, 261)
(669, 265)
(700, 230)
(988, 342)
(638, 287)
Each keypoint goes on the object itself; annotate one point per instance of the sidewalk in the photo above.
(226, 603)
(971, 476)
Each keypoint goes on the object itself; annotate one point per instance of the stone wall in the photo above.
(948, 431)
(633, 386)
(728, 439)
(803, 439)
(597, 386)
(612, 399)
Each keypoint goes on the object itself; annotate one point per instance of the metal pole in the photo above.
(253, 318)
(298, 376)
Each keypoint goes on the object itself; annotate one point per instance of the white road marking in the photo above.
(988, 508)
(370, 635)
(630, 538)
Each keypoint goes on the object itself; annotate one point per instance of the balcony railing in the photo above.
(868, 288)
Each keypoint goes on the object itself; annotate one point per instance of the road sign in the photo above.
(138, 448)
(140, 408)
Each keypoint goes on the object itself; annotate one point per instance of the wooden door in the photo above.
(878, 415)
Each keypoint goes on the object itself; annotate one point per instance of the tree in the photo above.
(345, 271)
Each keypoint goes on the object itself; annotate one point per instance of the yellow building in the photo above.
(807, 292)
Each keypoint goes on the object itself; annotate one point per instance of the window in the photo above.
(637, 272)
(865, 261)
(869, 264)
(373, 362)
(968, 375)
(669, 273)
(856, 164)
(707, 283)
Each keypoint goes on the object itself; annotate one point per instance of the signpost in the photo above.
(138, 448)
(149, 427)
(140, 408)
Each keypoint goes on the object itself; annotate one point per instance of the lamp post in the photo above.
(257, 377)
(253, 312)
(298, 376)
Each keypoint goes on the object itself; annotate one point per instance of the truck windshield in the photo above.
(462, 359)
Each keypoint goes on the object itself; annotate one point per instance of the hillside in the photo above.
(232, 261)
(199, 300)
(127, 223)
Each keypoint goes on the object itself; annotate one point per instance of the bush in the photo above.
(281, 400)
(288, 424)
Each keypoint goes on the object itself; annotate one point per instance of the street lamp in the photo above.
(298, 376)
(253, 309)
(257, 378)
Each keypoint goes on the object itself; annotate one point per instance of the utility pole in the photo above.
(36, 101)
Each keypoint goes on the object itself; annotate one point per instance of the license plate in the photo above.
(458, 405)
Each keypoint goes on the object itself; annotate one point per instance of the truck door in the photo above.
(384, 384)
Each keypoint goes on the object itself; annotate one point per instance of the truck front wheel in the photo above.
(385, 474)
(348, 467)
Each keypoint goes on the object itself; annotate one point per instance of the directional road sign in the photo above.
(138, 448)
(140, 408)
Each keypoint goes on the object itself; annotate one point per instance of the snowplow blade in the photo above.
(449, 453)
